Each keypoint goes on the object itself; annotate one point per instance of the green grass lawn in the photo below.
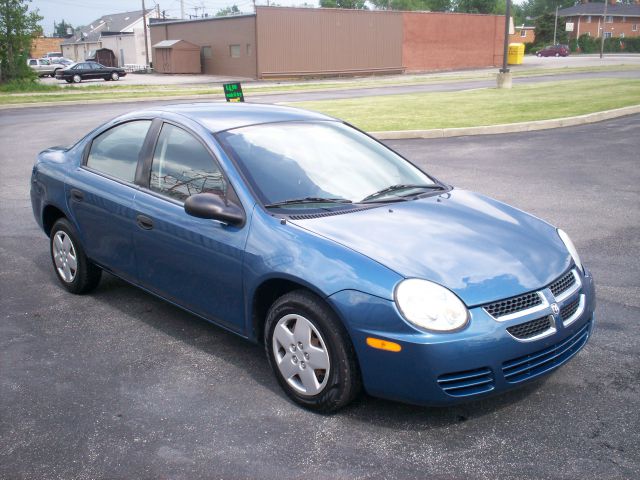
(483, 106)
(36, 92)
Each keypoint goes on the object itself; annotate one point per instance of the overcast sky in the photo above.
(81, 12)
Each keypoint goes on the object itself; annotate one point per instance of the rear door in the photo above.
(101, 193)
(193, 262)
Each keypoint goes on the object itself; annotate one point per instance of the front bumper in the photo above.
(440, 369)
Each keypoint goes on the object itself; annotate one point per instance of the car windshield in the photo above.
(303, 164)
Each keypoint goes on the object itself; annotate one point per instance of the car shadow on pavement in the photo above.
(226, 347)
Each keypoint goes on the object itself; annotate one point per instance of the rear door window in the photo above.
(116, 151)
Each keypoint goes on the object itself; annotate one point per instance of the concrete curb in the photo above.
(508, 127)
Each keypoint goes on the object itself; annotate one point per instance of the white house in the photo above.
(123, 33)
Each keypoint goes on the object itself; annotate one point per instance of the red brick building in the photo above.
(622, 20)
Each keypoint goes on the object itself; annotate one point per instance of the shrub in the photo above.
(588, 44)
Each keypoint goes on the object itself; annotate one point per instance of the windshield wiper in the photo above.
(307, 200)
(400, 187)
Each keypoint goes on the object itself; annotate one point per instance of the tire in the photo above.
(301, 319)
(538, 54)
(115, 77)
(557, 54)
(70, 264)
(68, 80)
(77, 78)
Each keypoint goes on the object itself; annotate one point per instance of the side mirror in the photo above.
(212, 206)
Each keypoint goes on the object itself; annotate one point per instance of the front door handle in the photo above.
(144, 222)
(77, 195)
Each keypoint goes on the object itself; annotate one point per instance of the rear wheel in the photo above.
(77, 78)
(310, 352)
(74, 270)
(115, 77)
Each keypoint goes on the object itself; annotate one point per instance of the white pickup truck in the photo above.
(45, 66)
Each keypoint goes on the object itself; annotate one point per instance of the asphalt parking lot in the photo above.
(119, 384)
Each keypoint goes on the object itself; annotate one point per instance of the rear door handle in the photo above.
(144, 222)
(77, 195)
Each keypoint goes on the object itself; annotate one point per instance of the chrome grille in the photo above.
(563, 283)
(531, 329)
(569, 309)
(470, 382)
(530, 366)
(513, 304)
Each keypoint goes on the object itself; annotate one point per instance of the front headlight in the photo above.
(430, 306)
(571, 248)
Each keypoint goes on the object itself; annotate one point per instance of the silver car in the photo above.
(45, 66)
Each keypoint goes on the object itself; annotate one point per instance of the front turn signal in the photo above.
(383, 344)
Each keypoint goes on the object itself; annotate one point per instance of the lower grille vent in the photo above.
(470, 382)
(530, 366)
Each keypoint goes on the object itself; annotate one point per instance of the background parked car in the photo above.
(65, 61)
(45, 66)
(53, 55)
(89, 70)
(554, 51)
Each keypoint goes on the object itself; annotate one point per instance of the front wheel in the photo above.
(77, 78)
(310, 352)
(74, 270)
(68, 80)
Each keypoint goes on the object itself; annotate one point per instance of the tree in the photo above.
(412, 5)
(223, 12)
(544, 29)
(352, 4)
(61, 29)
(17, 28)
(476, 6)
(535, 8)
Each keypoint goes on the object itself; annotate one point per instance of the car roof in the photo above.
(217, 117)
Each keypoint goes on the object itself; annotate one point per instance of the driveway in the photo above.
(119, 384)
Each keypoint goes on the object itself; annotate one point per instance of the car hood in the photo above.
(481, 249)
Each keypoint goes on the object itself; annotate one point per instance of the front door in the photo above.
(193, 262)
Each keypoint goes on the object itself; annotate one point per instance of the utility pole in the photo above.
(157, 10)
(604, 23)
(504, 76)
(146, 41)
(182, 9)
(555, 26)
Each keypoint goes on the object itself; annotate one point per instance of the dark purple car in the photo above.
(554, 51)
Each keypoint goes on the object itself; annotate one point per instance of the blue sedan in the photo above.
(356, 269)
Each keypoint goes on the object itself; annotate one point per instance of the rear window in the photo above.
(116, 151)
